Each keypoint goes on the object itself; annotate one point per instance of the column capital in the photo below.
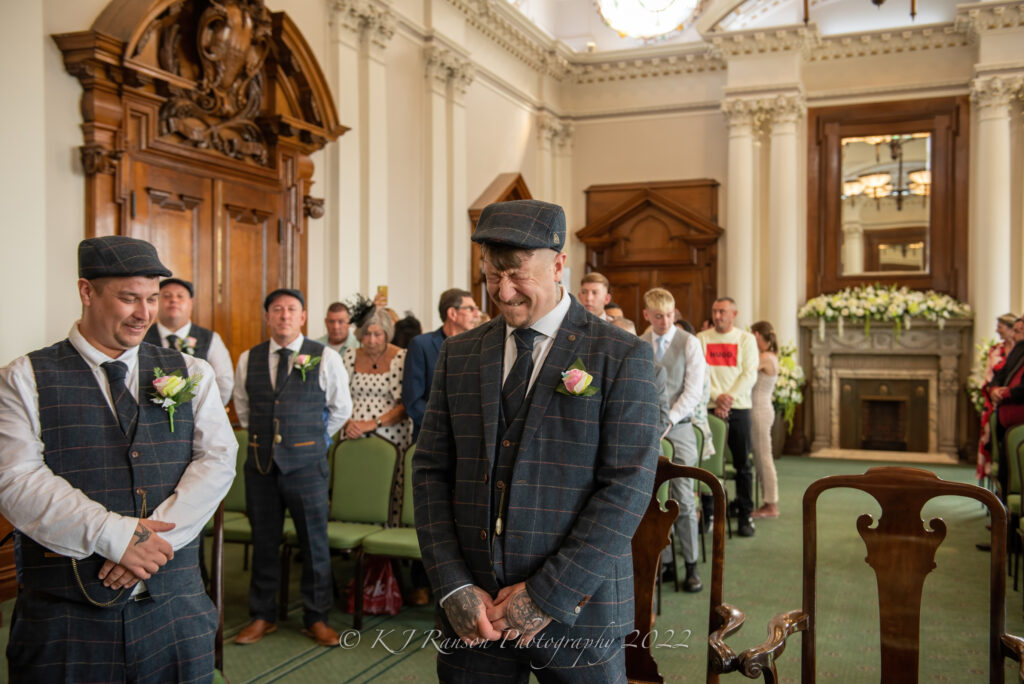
(445, 67)
(761, 111)
(997, 91)
(554, 133)
(368, 19)
(785, 107)
(740, 112)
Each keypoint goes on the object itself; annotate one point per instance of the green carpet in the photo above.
(763, 577)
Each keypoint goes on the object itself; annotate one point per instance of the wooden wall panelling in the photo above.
(664, 234)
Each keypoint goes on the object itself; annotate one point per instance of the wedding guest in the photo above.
(996, 358)
(762, 417)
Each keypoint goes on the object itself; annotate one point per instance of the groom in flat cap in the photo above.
(534, 466)
(107, 495)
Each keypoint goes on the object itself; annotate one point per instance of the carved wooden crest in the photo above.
(223, 49)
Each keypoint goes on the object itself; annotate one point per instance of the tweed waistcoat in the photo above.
(204, 336)
(83, 443)
(287, 426)
(506, 451)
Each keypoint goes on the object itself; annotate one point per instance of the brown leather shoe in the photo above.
(254, 631)
(420, 596)
(322, 634)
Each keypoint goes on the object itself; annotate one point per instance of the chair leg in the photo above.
(282, 601)
(357, 619)
(675, 564)
(245, 556)
(657, 589)
(700, 533)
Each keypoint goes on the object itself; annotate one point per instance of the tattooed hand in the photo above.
(515, 612)
(147, 551)
(467, 612)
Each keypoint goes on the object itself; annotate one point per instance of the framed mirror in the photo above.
(887, 195)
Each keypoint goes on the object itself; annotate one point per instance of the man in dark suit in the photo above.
(291, 393)
(174, 329)
(459, 313)
(529, 480)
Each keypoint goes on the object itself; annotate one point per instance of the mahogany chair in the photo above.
(650, 538)
(217, 590)
(901, 551)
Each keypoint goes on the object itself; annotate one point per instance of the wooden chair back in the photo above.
(901, 551)
(650, 538)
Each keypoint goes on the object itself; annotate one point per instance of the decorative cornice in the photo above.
(444, 66)
(800, 39)
(499, 22)
(606, 71)
(373, 20)
(984, 17)
(871, 43)
(996, 91)
(553, 131)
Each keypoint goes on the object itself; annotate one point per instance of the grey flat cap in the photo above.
(526, 224)
(178, 281)
(117, 256)
(281, 291)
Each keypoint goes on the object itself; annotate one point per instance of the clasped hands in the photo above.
(723, 404)
(997, 394)
(147, 552)
(476, 617)
(354, 429)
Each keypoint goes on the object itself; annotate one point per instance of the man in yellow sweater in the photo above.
(731, 354)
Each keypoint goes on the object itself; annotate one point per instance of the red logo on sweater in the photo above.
(721, 354)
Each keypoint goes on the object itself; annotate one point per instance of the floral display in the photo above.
(788, 393)
(900, 306)
(977, 377)
(171, 390)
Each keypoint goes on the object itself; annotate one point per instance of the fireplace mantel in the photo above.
(925, 352)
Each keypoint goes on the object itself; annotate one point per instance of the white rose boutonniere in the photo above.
(305, 362)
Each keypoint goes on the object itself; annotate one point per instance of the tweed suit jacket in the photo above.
(582, 479)
(676, 373)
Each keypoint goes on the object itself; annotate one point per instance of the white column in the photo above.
(448, 76)
(853, 245)
(378, 28)
(342, 227)
(991, 292)
(782, 247)
(738, 255)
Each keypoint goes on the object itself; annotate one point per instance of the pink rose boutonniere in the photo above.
(171, 390)
(188, 345)
(576, 381)
(305, 362)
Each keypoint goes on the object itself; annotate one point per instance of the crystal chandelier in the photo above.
(647, 19)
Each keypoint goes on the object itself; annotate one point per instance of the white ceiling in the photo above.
(577, 22)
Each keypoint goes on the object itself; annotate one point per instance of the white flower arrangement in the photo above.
(898, 306)
(788, 393)
(977, 377)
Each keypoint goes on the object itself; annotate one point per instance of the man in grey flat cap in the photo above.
(533, 469)
(109, 490)
(292, 394)
(174, 329)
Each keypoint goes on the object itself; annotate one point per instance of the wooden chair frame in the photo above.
(901, 550)
(650, 538)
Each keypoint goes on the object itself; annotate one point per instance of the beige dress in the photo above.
(762, 417)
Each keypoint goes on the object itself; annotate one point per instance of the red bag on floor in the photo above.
(381, 595)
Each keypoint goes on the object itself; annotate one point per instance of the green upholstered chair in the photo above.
(1014, 444)
(715, 464)
(236, 528)
(397, 542)
(362, 474)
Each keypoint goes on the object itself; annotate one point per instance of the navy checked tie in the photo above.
(124, 403)
(172, 342)
(513, 392)
(284, 366)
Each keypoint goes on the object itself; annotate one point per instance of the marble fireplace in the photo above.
(896, 395)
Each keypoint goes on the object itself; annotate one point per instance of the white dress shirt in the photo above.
(547, 326)
(61, 517)
(217, 356)
(332, 376)
(696, 369)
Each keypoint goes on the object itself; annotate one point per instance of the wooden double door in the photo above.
(231, 238)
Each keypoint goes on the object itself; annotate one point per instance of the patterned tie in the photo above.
(513, 392)
(124, 403)
(283, 368)
(172, 342)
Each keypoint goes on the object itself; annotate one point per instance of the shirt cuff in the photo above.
(446, 596)
(116, 536)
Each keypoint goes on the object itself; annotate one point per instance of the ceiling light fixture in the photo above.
(647, 19)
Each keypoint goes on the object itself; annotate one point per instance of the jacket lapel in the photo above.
(561, 355)
(492, 348)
